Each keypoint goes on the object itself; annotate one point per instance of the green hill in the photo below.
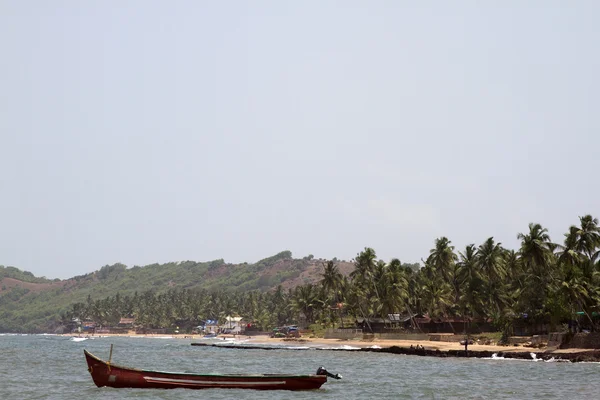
(30, 304)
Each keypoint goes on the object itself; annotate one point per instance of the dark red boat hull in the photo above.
(105, 374)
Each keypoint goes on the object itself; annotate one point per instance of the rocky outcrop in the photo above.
(589, 356)
(573, 357)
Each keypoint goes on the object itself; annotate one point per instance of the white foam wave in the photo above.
(343, 347)
(234, 341)
(534, 357)
(553, 360)
(495, 356)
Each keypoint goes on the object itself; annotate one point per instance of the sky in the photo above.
(158, 131)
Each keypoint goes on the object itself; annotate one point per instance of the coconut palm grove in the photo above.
(542, 283)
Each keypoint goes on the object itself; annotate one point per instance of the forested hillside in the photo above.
(30, 304)
(544, 285)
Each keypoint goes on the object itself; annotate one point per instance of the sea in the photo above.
(54, 367)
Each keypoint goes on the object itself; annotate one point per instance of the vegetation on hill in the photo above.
(542, 282)
(24, 276)
(30, 304)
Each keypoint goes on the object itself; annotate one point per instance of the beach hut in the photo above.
(126, 323)
(233, 325)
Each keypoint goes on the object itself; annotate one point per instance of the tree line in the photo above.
(544, 281)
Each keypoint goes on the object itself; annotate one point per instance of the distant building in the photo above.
(126, 323)
(88, 326)
(233, 325)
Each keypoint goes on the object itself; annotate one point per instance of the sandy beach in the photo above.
(321, 342)
(428, 345)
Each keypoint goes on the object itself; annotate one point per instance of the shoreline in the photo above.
(408, 347)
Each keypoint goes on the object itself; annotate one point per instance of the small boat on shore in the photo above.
(104, 373)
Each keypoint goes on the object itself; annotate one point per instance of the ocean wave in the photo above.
(342, 347)
(234, 341)
(553, 360)
(495, 356)
(534, 358)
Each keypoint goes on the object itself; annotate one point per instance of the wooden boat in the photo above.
(104, 373)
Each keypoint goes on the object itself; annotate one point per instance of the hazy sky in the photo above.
(156, 131)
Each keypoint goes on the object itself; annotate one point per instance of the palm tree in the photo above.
(396, 286)
(279, 308)
(539, 268)
(470, 280)
(573, 290)
(577, 259)
(331, 278)
(568, 254)
(436, 296)
(304, 300)
(490, 260)
(588, 237)
(442, 257)
(360, 302)
(364, 266)
(536, 248)
(363, 277)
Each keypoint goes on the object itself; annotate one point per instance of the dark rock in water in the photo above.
(236, 346)
(589, 356)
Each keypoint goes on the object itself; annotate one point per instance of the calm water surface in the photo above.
(53, 367)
